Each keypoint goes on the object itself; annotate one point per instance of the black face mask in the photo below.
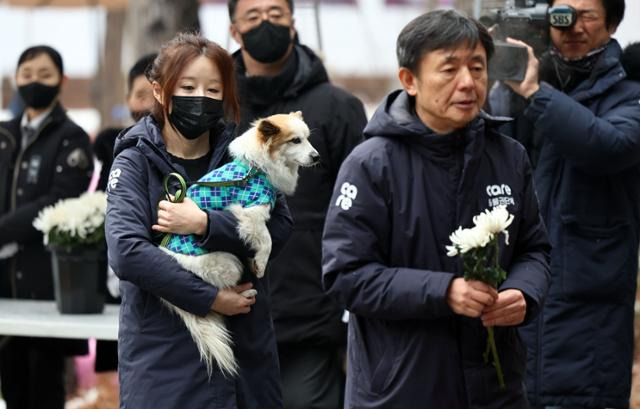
(268, 42)
(193, 116)
(37, 95)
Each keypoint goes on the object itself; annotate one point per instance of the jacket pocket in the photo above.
(596, 261)
(384, 367)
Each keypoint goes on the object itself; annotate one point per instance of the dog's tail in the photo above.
(212, 339)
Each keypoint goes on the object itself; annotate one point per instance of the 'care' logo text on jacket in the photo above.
(499, 195)
(347, 196)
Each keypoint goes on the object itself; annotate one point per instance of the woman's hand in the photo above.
(181, 218)
(231, 301)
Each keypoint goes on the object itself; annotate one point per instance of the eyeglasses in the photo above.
(254, 17)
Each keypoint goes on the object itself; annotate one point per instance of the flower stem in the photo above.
(485, 354)
(496, 359)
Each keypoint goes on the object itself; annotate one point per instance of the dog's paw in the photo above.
(249, 293)
(259, 265)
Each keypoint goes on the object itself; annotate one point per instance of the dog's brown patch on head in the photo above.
(281, 122)
(267, 129)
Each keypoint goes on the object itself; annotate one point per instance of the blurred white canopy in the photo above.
(108, 4)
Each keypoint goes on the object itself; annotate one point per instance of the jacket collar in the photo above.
(146, 136)
(607, 72)
(396, 118)
(309, 71)
(56, 116)
(34, 123)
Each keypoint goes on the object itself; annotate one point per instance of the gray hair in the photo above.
(436, 30)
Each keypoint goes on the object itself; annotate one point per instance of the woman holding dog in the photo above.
(188, 132)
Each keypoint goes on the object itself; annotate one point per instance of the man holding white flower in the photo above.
(431, 161)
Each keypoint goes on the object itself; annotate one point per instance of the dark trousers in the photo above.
(561, 407)
(312, 377)
(32, 375)
(106, 356)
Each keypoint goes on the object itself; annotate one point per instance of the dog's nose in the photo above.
(315, 158)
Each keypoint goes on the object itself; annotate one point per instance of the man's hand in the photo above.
(530, 84)
(510, 309)
(470, 298)
(230, 301)
(181, 218)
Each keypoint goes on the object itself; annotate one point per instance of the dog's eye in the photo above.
(296, 140)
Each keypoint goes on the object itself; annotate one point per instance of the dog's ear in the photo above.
(297, 113)
(267, 129)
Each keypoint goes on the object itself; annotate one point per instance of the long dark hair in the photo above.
(173, 58)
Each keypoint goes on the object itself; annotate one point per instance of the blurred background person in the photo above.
(579, 119)
(276, 74)
(44, 157)
(139, 102)
(630, 60)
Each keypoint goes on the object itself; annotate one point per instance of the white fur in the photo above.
(224, 270)
(252, 228)
(282, 169)
(209, 333)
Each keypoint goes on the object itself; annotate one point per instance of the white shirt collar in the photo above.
(35, 122)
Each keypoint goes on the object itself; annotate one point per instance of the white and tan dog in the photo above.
(266, 156)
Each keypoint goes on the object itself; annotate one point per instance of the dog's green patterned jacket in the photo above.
(257, 190)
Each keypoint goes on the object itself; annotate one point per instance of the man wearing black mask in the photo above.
(580, 120)
(276, 74)
(44, 157)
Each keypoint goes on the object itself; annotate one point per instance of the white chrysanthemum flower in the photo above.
(495, 221)
(467, 239)
(78, 217)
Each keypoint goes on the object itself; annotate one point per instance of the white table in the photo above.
(42, 319)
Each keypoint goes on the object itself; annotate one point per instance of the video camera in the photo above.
(524, 20)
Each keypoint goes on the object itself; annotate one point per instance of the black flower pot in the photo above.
(79, 274)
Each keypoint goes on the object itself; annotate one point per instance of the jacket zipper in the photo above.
(538, 376)
(14, 190)
(16, 170)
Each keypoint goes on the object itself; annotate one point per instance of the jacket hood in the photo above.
(310, 73)
(607, 72)
(396, 118)
(309, 70)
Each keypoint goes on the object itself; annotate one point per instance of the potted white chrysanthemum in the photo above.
(74, 232)
(479, 250)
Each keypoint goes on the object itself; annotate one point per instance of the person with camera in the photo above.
(580, 120)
